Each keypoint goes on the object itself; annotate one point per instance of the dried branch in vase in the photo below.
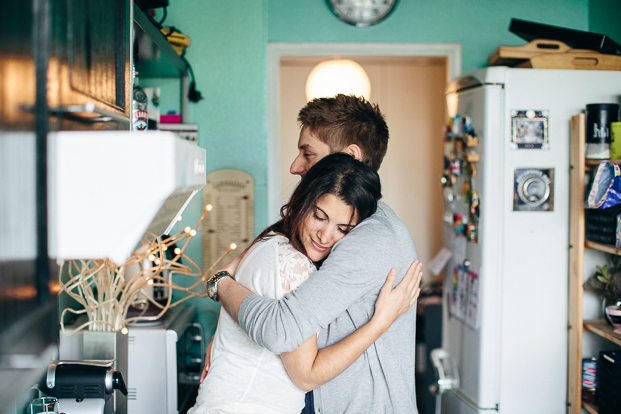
(107, 290)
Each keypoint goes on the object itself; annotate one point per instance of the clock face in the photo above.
(362, 12)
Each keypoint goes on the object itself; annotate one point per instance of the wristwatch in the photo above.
(212, 284)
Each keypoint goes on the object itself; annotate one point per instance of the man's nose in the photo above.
(297, 168)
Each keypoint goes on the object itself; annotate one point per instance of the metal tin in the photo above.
(598, 119)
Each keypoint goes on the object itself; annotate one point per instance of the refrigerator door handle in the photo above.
(446, 370)
(448, 380)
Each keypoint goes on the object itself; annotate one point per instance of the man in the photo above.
(340, 297)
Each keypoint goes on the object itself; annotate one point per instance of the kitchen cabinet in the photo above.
(64, 65)
(91, 62)
(583, 256)
(88, 67)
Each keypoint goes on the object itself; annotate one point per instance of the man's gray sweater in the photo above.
(335, 301)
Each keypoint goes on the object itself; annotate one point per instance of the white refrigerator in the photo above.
(505, 316)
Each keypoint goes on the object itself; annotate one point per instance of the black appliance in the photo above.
(83, 387)
(576, 39)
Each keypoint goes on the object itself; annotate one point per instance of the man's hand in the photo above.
(207, 361)
(392, 303)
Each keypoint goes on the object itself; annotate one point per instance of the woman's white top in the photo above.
(245, 377)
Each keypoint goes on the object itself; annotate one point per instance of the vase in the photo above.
(614, 313)
(605, 304)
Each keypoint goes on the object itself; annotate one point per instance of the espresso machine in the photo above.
(83, 387)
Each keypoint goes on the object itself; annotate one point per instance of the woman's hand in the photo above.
(310, 367)
(392, 303)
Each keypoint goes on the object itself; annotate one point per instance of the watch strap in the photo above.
(212, 284)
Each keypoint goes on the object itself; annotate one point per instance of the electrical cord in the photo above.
(163, 17)
(194, 95)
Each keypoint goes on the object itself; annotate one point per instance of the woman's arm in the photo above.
(309, 367)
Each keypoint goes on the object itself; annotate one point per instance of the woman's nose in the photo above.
(325, 235)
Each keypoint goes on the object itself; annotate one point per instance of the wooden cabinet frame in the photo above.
(577, 245)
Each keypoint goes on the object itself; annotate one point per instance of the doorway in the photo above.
(408, 82)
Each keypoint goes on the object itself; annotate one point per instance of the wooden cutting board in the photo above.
(552, 54)
(512, 55)
(574, 60)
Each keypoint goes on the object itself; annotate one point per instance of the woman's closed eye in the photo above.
(319, 218)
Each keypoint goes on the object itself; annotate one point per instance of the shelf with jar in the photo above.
(156, 59)
(585, 256)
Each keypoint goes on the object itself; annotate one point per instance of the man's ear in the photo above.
(354, 151)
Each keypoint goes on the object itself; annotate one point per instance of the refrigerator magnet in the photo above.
(529, 129)
(471, 140)
(455, 166)
(533, 189)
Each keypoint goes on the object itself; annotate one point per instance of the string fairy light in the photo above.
(106, 291)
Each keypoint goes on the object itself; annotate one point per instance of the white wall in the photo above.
(410, 92)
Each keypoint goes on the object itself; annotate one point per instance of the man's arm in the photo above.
(356, 267)
(231, 295)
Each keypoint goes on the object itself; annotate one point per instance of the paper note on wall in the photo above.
(439, 261)
(464, 296)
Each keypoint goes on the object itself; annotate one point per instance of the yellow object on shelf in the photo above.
(177, 40)
(615, 141)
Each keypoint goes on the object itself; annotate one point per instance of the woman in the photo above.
(334, 196)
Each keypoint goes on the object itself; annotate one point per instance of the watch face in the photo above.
(362, 12)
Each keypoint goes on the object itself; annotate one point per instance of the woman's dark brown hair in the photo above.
(353, 182)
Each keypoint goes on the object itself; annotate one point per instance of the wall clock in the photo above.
(362, 12)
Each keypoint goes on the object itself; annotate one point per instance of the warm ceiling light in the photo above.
(338, 76)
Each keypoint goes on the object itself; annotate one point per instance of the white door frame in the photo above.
(452, 51)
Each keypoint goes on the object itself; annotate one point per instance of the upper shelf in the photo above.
(603, 329)
(592, 164)
(603, 247)
(156, 57)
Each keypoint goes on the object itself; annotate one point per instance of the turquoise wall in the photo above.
(228, 55)
(479, 25)
(229, 47)
(605, 18)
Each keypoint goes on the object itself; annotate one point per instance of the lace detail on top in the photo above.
(293, 267)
